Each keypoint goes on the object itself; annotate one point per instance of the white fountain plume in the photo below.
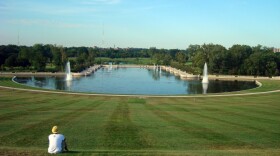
(111, 65)
(205, 74)
(204, 87)
(68, 72)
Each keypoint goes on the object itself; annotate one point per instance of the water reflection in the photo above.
(40, 81)
(194, 87)
(154, 73)
(68, 85)
(204, 87)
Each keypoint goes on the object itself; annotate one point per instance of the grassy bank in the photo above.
(98, 125)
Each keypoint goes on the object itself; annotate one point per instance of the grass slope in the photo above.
(98, 125)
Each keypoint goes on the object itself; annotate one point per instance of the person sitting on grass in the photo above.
(57, 142)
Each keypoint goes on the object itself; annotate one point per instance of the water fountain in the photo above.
(110, 66)
(205, 80)
(205, 74)
(68, 72)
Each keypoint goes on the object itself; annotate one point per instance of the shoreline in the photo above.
(85, 72)
(141, 96)
(27, 74)
(183, 75)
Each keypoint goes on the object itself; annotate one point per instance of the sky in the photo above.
(169, 24)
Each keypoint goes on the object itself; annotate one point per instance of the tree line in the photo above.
(236, 60)
(38, 57)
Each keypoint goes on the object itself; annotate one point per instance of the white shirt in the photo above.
(56, 143)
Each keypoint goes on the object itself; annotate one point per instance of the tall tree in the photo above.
(91, 56)
(181, 57)
(59, 57)
(192, 50)
(167, 59)
(11, 61)
(217, 59)
(24, 56)
(38, 59)
(237, 55)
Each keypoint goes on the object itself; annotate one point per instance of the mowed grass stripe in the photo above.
(235, 113)
(183, 124)
(246, 117)
(253, 109)
(258, 124)
(221, 116)
(202, 106)
(47, 103)
(121, 132)
(267, 114)
(86, 131)
(238, 127)
(208, 137)
(31, 103)
(26, 99)
(81, 129)
(31, 131)
(159, 133)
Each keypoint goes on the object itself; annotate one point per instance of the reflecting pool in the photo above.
(135, 81)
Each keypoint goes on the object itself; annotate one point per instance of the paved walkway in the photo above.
(142, 96)
(87, 71)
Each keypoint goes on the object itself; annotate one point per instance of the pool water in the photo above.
(135, 81)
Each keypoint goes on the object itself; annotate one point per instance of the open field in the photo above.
(107, 125)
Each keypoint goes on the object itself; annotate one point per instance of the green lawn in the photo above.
(106, 125)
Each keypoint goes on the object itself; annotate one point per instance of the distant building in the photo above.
(276, 50)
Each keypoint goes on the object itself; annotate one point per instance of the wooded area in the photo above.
(236, 60)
